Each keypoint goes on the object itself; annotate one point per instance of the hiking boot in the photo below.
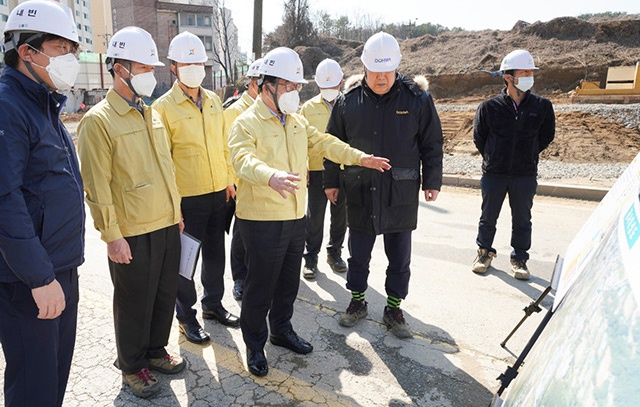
(355, 312)
(142, 383)
(483, 261)
(167, 364)
(310, 270)
(336, 263)
(519, 269)
(395, 321)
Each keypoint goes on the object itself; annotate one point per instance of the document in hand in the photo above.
(189, 255)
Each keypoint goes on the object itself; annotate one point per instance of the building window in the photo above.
(4, 17)
(3, 3)
(79, 26)
(204, 20)
(84, 3)
(77, 13)
(188, 19)
(85, 15)
(87, 28)
(88, 41)
(77, 1)
(208, 42)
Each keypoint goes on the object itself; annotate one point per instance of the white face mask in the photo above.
(143, 84)
(289, 102)
(524, 83)
(191, 75)
(63, 70)
(329, 94)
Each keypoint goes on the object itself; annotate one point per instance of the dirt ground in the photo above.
(580, 138)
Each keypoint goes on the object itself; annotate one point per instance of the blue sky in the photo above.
(468, 14)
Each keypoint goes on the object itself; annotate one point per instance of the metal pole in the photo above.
(257, 29)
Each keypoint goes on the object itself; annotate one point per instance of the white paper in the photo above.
(189, 255)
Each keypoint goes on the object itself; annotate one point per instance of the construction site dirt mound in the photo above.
(566, 49)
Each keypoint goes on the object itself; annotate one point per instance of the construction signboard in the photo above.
(589, 352)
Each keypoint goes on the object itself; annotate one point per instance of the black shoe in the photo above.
(310, 271)
(257, 362)
(223, 316)
(238, 289)
(291, 341)
(193, 332)
(336, 263)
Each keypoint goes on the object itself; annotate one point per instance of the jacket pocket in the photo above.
(353, 186)
(140, 201)
(405, 184)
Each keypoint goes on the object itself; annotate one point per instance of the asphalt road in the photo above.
(458, 319)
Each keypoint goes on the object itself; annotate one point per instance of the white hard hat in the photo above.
(328, 74)
(134, 44)
(381, 53)
(42, 16)
(283, 63)
(254, 69)
(187, 48)
(518, 59)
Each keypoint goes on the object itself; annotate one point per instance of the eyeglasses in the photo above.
(65, 47)
(290, 86)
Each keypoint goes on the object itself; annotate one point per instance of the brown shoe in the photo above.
(167, 364)
(394, 319)
(354, 313)
(483, 261)
(142, 383)
(519, 269)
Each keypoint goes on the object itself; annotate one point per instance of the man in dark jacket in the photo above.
(41, 206)
(387, 114)
(510, 131)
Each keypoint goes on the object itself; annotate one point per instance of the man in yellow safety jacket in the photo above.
(134, 201)
(195, 124)
(269, 148)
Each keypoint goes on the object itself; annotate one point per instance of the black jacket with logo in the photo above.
(401, 125)
(509, 139)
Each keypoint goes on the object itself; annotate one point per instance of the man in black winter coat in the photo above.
(510, 131)
(386, 113)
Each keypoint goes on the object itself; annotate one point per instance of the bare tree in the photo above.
(225, 46)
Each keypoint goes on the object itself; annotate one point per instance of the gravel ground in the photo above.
(547, 170)
(629, 115)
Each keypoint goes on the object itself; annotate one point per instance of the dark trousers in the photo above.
(274, 255)
(521, 190)
(238, 267)
(316, 208)
(37, 352)
(205, 219)
(144, 297)
(397, 247)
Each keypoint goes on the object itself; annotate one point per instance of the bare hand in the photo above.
(231, 192)
(376, 163)
(431, 195)
(49, 300)
(332, 194)
(120, 252)
(283, 181)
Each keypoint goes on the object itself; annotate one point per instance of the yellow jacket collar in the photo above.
(262, 111)
(120, 105)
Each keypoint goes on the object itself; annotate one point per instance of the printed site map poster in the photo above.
(589, 353)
